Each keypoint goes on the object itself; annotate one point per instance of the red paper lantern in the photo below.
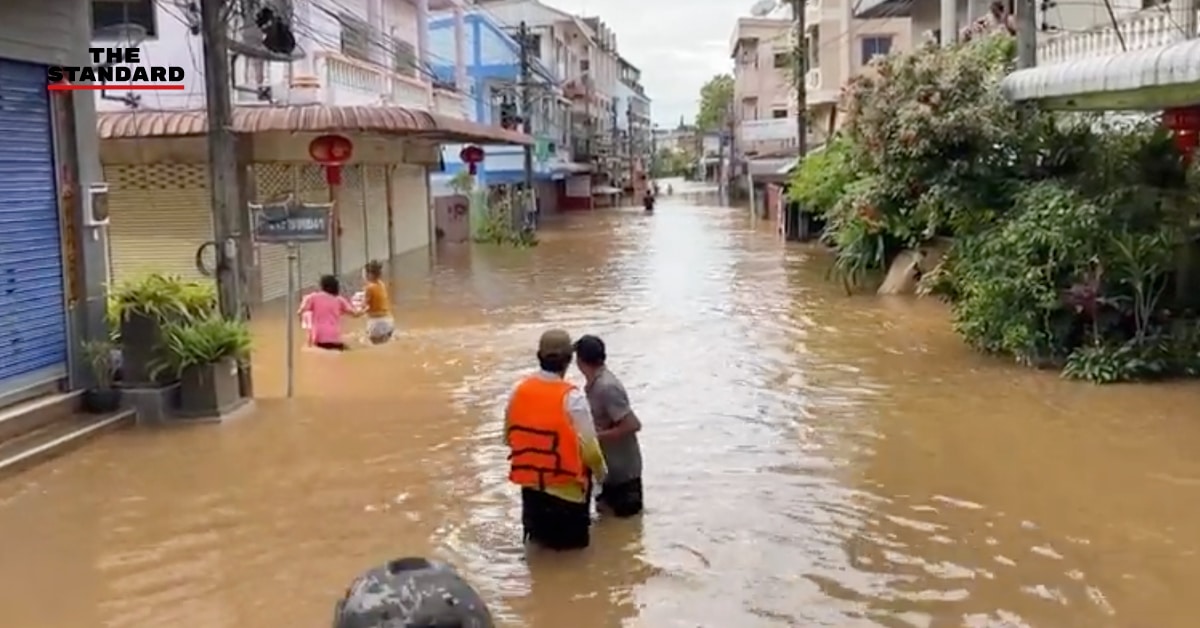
(1184, 123)
(471, 155)
(330, 150)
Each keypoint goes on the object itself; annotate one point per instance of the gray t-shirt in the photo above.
(610, 404)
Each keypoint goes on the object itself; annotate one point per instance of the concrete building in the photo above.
(587, 48)
(764, 105)
(493, 78)
(364, 74)
(52, 269)
(635, 144)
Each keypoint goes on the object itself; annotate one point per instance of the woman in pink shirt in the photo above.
(324, 310)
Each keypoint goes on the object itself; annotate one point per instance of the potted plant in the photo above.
(101, 397)
(139, 310)
(204, 355)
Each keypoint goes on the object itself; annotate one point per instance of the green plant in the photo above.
(497, 224)
(160, 297)
(101, 359)
(200, 342)
(462, 182)
(822, 177)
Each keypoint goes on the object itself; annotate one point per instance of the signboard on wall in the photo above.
(290, 222)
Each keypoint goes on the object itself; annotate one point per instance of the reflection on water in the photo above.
(812, 460)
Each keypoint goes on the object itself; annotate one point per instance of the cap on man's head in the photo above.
(411, 593)
(555, 342)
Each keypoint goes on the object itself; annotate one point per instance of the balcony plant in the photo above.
(203, 355)
(101, 397)
(139, 309)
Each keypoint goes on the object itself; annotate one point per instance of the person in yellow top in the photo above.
(553, 452)
(377, 304)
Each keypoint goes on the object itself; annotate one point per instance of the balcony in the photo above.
(1148, 28)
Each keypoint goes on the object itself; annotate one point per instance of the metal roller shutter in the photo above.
(352, 209)
(158, 217)
(33, 323)
(410, 204)
(377, 222)
(272, 182)
(316, 258)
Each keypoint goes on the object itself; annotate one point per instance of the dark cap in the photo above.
(411, 593)
(555, 343)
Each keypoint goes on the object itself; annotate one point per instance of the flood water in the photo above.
(812, 459)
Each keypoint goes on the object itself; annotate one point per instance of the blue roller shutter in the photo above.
(33, 331)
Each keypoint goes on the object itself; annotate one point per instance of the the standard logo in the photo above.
(115, 68)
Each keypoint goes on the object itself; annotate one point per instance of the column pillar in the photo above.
(460, 50)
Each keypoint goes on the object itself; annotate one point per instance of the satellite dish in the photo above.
(762, 8)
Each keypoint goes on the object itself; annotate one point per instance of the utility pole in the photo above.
(1027, 29)
(800, 67)
(526, 117)
(223, 166)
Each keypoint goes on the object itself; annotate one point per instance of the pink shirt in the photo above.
(327, 311)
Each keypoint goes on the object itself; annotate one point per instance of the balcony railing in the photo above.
(1148, 28)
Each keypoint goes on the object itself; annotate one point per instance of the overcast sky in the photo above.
(678, 45)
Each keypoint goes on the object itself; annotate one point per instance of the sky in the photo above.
(677, 45)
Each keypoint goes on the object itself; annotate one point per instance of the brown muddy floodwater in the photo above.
(812, 460)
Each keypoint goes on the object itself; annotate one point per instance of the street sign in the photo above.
(541, 150)
(290, 222)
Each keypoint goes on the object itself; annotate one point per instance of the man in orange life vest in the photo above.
(554, 454)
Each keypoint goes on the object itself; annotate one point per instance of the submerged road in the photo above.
(811, 460)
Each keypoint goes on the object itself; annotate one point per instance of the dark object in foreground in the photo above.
(209, 389)
(648, 202)
(413, 593)
(101, 400)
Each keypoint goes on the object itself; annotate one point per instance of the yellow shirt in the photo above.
(378, 303)
(580, 411)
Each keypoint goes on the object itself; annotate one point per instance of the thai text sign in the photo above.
(290, 222)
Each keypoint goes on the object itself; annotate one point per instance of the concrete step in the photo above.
(34, 414)
(57, 438)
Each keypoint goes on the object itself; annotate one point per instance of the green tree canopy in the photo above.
(715, 98)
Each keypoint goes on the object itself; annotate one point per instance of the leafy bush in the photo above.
(823, 176)
(200, 342)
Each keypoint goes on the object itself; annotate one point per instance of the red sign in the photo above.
(330, 150)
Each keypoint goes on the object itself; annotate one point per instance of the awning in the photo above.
(874, 9)
(1155, 78)
(604, 190)
(390, 120)
(570, 167)
(759, 168)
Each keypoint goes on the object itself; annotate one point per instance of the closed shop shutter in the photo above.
(316, 258)
(410, 204)
(352, 210)
(158, 217)
(273, 182)
(377, 222)
(33, 323)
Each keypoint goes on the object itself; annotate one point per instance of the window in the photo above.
(750, 108)
(404, 58)
(535, 45)
(874, 47)
(782, 60)
(355, 37)
(779, 113)
(109, 18)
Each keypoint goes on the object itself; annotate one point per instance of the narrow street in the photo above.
(812, 460)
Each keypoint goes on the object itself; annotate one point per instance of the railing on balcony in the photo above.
(352, 82)
(1148, 28)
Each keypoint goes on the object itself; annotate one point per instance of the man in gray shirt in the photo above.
(616, 428)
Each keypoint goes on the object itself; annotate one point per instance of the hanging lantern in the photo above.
(331, 151)
(1184, 123)
(471, 155)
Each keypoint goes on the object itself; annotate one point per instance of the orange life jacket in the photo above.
(544, 447)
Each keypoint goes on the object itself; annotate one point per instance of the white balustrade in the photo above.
(453, 104)
(1148, 28)
(354, 82)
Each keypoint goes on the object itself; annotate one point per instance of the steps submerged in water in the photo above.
(48, 426)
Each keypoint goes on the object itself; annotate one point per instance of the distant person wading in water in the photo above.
(323, 310)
